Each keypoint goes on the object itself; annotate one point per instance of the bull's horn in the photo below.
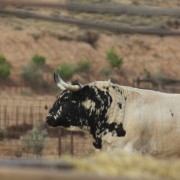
(57, 81)
(63, 85)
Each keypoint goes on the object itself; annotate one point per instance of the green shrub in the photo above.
(4, 71)
(114, 60)
(4, 68)
(2, 59)
(66, 70)
(39, 60)
(34, 140)
(83, 65)
(32, 75)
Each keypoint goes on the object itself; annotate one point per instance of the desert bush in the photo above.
(113, 58)
(83, 65)
(34, 140)
(39, 60)
(66, 70)
(4, 68)
(33, 76)
(2, 59)
(4, 71)
(105, 71)
(32, 73)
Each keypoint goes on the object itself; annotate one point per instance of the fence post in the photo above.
(17, 115)
(59, 142)
(72, 143)
(5, 117)
(31, 115)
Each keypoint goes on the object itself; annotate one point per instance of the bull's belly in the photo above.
(159, 146)
(166, 145)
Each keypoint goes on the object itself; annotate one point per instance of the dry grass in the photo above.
(128, 165)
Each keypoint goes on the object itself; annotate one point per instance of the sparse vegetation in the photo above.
(106, 71)
(2, 59)
(66, 70)
(34, 140)
(33, 72)
(4, 68)
(83, 65)
(39, 60)
(113, 58)
(35, 36)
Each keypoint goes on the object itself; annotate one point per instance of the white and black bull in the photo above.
(119, 117)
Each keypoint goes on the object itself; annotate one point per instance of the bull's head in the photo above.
(82, 107)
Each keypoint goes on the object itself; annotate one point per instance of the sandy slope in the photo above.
(21, 39)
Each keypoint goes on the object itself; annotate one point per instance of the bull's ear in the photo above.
(63, 85)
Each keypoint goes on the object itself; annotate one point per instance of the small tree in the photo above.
(114, 60)
(34, 140)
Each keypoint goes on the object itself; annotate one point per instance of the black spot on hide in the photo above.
(118, 128)
(120, 105)
(98, 143)
(172, 114)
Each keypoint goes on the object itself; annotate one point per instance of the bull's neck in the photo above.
(110, 121)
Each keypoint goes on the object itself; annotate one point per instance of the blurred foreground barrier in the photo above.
(43, 170)
(100, 166)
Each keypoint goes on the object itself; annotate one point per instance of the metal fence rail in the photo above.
(102, 8)
(17, 118)
(166, 85)
(112, 27)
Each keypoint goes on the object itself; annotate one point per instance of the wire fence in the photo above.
(165, 85)
(24, 133)
(20, 136)
(22, 119)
